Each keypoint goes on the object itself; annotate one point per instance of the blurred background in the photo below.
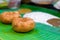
(41, 3)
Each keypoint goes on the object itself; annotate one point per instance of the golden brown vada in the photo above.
(23, 24)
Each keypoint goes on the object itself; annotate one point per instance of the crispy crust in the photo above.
(23, 11)
(7, 17)
(23, 24)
